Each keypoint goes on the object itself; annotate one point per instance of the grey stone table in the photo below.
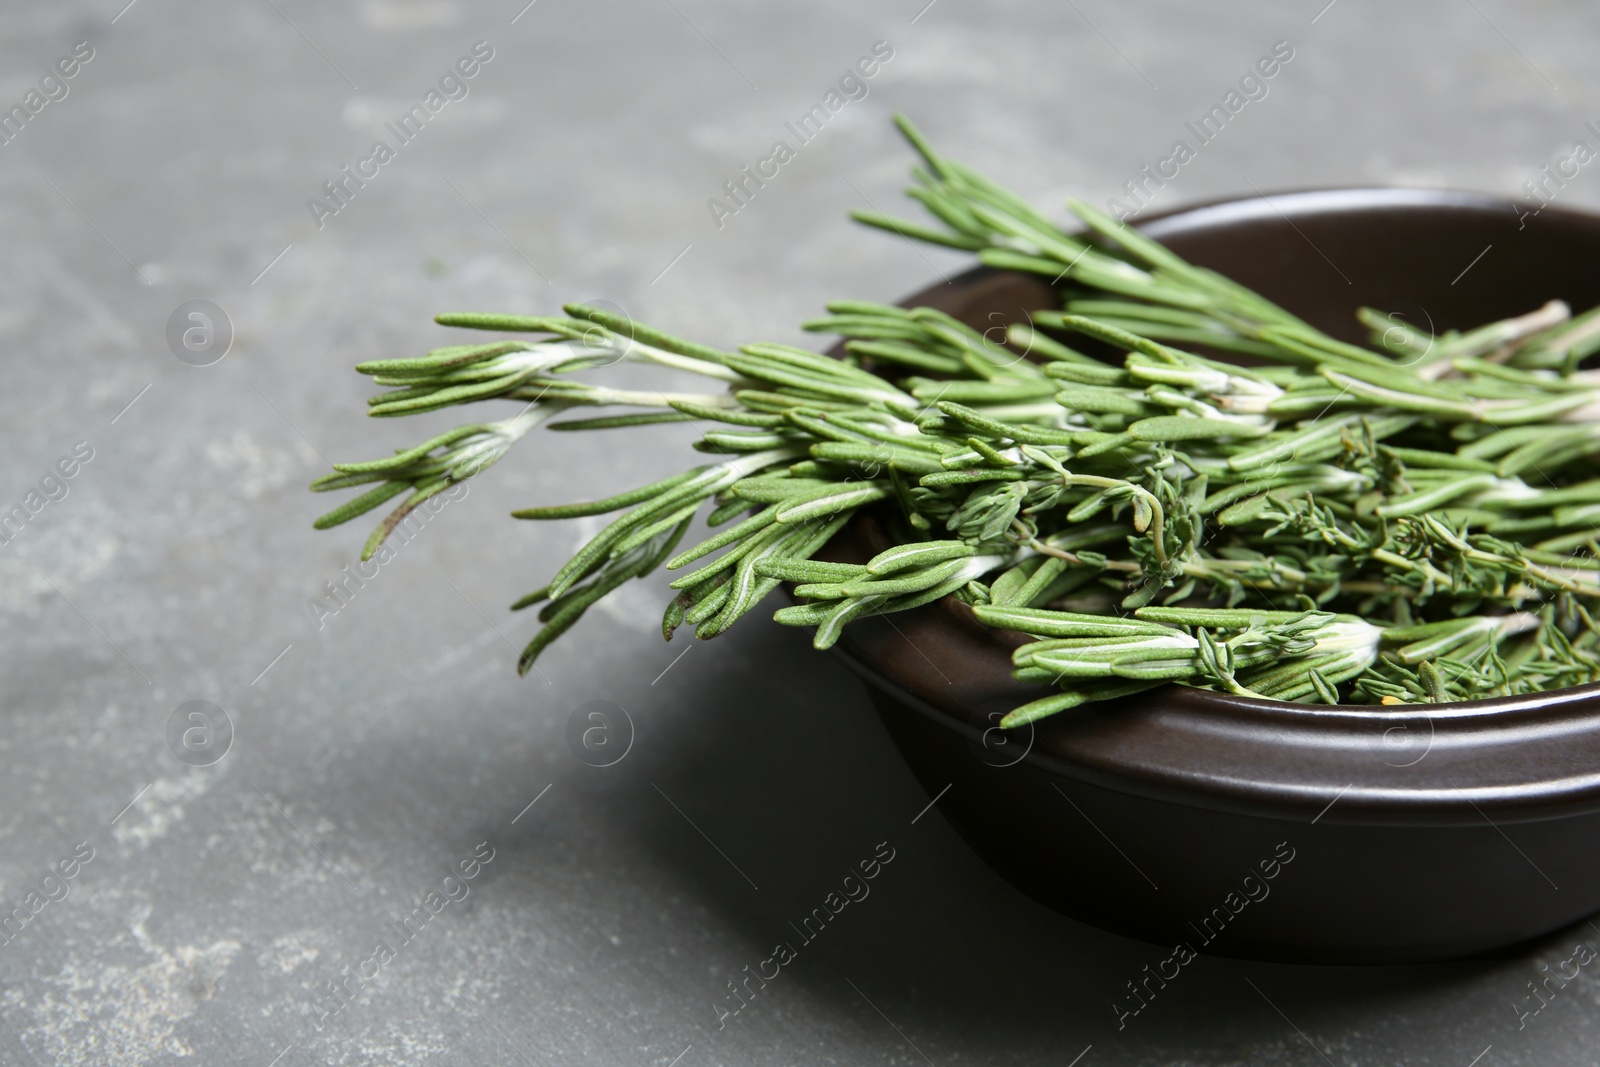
(379, 748)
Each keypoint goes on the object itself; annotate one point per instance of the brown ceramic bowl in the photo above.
(1413, 833)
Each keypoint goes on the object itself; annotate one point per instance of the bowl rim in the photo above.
(1501, 759)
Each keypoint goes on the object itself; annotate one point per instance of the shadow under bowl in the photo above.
(1253, 828)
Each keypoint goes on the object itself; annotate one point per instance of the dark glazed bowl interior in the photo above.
(1417, 833)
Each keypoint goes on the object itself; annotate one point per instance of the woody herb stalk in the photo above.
(1410, 521)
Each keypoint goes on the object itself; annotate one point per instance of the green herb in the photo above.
(1414, 521)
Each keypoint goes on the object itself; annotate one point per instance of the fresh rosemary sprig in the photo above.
(1408, 522)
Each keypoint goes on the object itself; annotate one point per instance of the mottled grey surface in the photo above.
(386, 745)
